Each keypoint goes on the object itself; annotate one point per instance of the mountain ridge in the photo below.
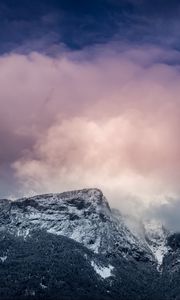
(80, 215)
(85, 219)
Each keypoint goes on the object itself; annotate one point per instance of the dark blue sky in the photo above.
(38, 25)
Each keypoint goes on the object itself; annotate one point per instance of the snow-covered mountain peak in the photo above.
(79, 199)
(76, 233)
(84, 216)
(80, 215)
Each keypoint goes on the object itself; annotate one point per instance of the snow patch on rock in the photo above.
(104, 272)
(3, 258)
(156, 237)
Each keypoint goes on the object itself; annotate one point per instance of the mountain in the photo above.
(74, 246)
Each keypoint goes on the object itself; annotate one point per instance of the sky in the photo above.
(89, 97)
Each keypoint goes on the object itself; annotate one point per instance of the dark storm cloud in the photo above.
(79, 23)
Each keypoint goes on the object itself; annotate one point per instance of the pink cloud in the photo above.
(97, 117)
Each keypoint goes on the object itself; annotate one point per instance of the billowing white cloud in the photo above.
(105, 117)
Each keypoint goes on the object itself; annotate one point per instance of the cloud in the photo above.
(167, 213)
(27, 26)
(105, 116)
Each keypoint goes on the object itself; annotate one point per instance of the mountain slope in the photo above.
(83, 216)
(114, 260)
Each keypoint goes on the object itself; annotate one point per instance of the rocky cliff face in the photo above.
(106, 240)
(84, 216)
